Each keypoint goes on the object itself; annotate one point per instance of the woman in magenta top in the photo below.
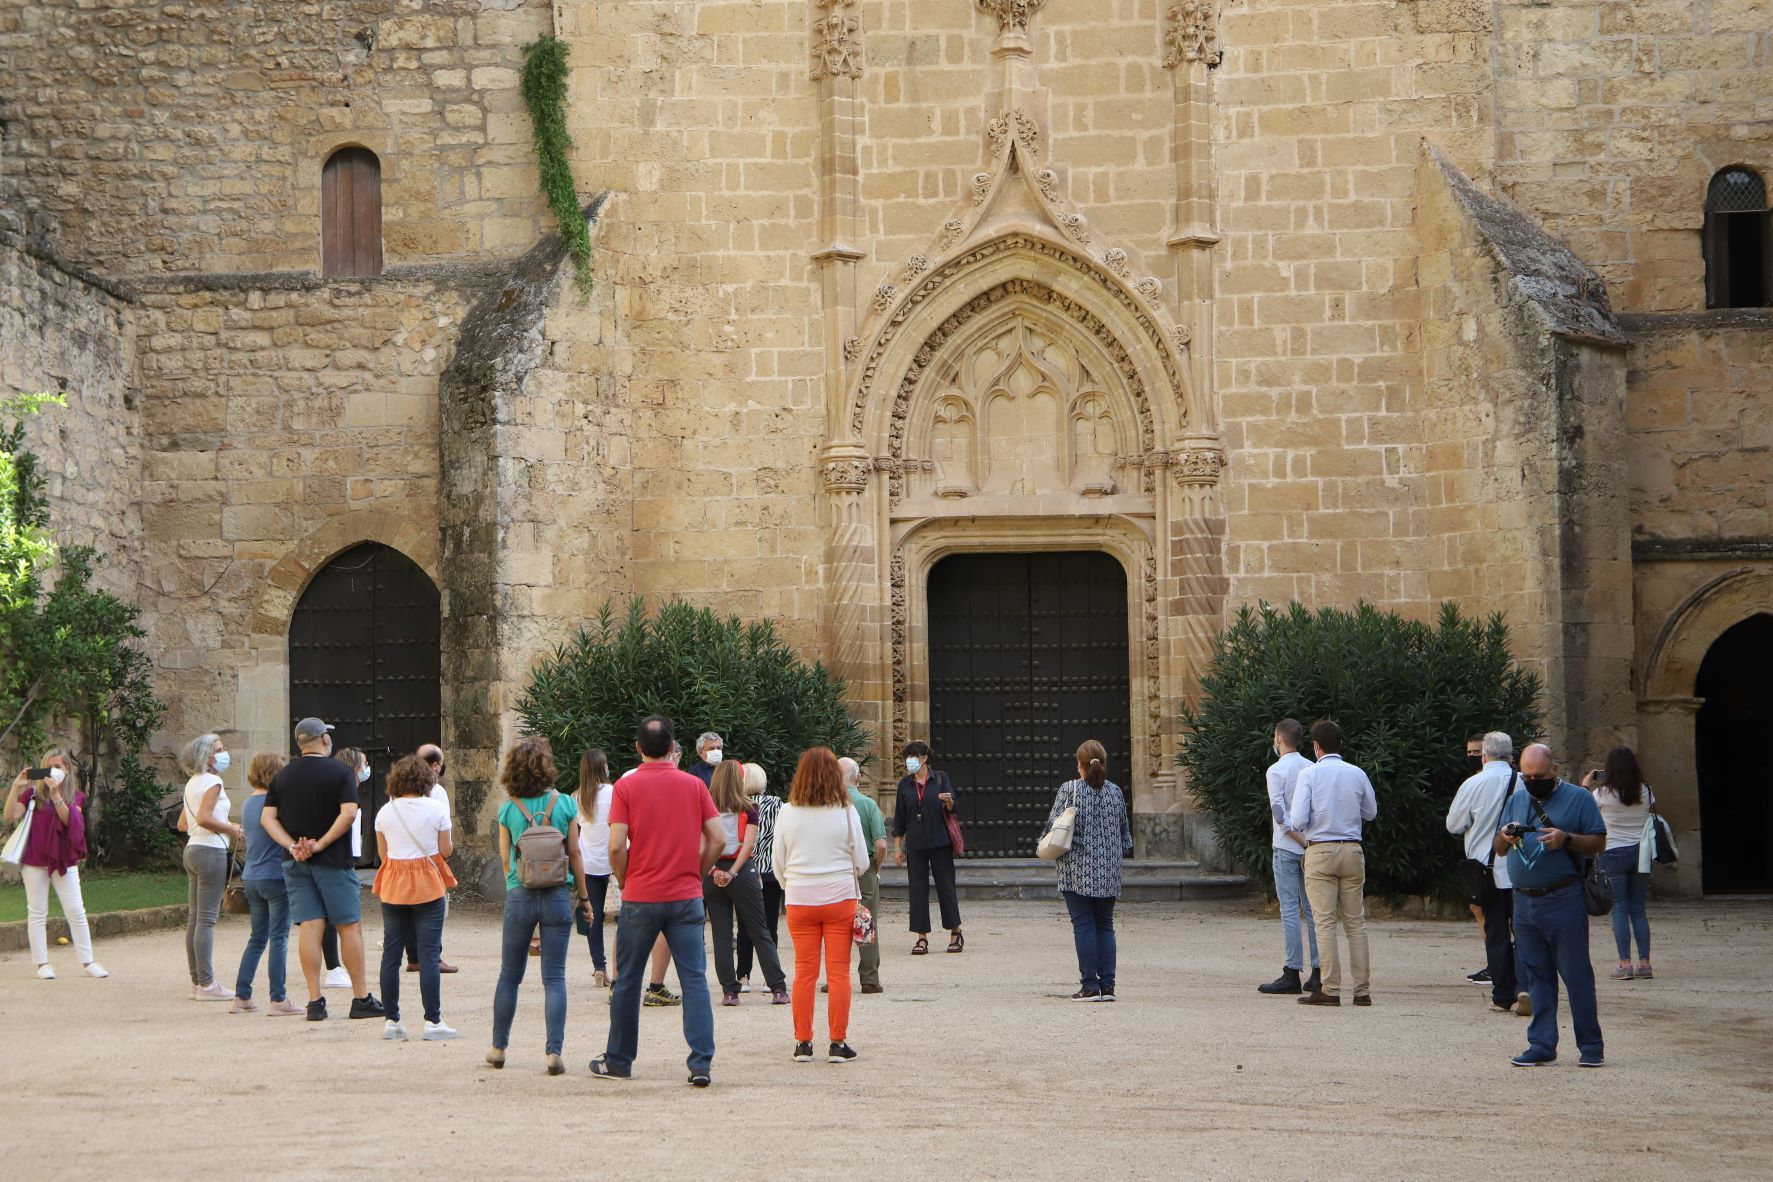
(52, 854)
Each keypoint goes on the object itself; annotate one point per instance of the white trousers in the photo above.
(67, 889)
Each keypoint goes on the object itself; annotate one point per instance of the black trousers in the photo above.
(1499, 951)
(919, 866)
(740, 899)
(772, 913)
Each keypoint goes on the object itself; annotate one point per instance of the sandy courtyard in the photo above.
(971, 1066)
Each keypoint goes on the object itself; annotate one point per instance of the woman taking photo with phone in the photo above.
(922, 843)
(50, 796)
(205, 820)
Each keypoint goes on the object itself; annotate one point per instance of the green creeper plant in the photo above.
(544, 93)
(1406, 694)
(705, 672)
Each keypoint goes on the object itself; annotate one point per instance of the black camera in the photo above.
(1516, 829)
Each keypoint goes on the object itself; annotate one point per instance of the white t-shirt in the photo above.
(411, 825)
(440, 796)
(1625, 822)
(195, 787)
(594, 833)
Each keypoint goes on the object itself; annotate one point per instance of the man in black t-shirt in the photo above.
(309, 811)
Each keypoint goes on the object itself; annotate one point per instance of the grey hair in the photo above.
(194, 759)
(707, 738)
(852, 771)
(1497, 745)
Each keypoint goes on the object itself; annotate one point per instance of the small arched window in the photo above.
(351, 214)
(1738, 240)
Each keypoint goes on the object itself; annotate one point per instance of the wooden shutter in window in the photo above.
(351, 214)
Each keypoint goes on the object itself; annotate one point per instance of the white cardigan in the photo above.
(818, 853)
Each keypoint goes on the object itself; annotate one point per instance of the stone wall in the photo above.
(190, 137)
(1612, 116)
(66, 331)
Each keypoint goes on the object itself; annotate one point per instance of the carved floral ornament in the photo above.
(837, 40)
(1016, 125)
(847, 475)
(1192, 36)
(1012, 15)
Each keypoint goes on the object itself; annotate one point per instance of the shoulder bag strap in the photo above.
(1501, 814)
(1545, 820)
(429, 859)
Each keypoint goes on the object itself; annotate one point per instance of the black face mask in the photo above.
(1474, 763)
(440, 766)
(1540, 789)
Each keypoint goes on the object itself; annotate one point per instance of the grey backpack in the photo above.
(541, 850)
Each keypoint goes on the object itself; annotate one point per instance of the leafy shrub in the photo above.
(705, 672)
(1406, 694)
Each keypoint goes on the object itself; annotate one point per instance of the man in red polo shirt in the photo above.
(664, 835)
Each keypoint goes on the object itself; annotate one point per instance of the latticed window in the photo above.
(351, 214)
(1738, 240)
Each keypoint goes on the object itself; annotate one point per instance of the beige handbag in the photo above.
(1057, 841)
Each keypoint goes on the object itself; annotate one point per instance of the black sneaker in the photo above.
(699, 1079)
(1315, 982)
(367, 1007)
(1087, 995)
(1481, 977)
(840, 1052)
(317, 1010)
(803, 1052)
(658, 995)
(602, 1070)
(1287, 982)
(1107, 995)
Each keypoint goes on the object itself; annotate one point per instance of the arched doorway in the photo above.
(364, 651)
(1028, 658)
(1731, 737)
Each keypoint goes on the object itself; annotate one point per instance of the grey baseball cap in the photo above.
(309, 729)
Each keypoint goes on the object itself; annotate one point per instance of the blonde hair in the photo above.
(194, 759)
(70, 782)
(264, 767)
(757, 781)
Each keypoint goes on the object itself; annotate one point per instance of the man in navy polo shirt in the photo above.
(1546, 832)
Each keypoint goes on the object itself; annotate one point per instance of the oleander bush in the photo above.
(1406, 694)
(705, 672)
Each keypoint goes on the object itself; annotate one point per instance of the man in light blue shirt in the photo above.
(1331, 803)
(1475, 815)
(1289, 863)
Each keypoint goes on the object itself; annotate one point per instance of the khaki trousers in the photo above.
(869, 954)
(1335, 873)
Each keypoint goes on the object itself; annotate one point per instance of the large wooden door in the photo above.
(364, 653)
(1028, 658)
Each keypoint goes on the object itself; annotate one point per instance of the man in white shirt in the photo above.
(432, 754)
(1289, 864)
(1331, 803)
(1475, 815)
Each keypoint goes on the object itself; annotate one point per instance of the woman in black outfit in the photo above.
(921, 842)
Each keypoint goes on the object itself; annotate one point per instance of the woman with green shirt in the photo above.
(528, 779)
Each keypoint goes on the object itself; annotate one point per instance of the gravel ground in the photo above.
(972, 1066)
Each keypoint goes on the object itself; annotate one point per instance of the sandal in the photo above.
(922, 947)
(959, 943)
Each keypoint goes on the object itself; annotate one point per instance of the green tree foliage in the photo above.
(69, 658)
(544, 92)
(705, 672)
(1406, 694)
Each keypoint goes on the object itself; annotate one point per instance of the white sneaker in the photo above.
(45, 972)
(214, 991)
(437, 1032)
(393, 1031)
(95, 969)
(744, 984)
(336, 979)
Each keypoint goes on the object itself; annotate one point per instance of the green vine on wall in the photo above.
(544, 92)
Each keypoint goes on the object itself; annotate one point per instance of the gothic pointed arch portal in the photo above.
(1021, 398)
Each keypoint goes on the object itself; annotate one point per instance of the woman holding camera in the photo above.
(52, 853)
(205, 820)
(1625, 802)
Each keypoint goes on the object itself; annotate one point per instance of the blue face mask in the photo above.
(363, 773)
(912, 763)
(222, 761)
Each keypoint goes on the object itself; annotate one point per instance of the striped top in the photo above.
(764, 853)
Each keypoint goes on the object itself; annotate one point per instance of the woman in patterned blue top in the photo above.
(1089, 875)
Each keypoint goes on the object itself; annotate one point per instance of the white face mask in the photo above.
(221, 761)
(912, 764)
(56, 776)
(363, 773)
(712, 756)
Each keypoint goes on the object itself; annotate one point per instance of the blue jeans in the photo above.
(681, 921)
(270, 926)
(1092, 930)
(598, 886)
(415, 930)
(1551, 932)
(552, 911)
(1289, 888)
(1630, 891)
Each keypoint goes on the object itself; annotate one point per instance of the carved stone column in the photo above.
(1191, 49)
(854, 640)
(836, 73)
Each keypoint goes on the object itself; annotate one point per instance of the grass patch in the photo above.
(103, 892)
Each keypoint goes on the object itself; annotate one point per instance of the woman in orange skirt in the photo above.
(413, 837)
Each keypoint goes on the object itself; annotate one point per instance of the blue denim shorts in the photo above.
(331, 893)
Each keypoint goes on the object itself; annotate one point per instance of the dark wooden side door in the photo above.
(1028, 658)
(364, 651)
(351, 214)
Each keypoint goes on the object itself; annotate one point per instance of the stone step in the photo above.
(1031, 878)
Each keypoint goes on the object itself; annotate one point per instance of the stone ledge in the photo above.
(105, 925)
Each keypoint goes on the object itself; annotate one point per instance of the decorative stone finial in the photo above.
(1012, 15)
(837, 41)
(1192, 35)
